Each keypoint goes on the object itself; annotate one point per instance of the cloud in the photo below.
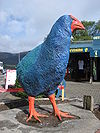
(24, 24)
(91, 10)
(5, 41)
(3, 17)
(15, 26)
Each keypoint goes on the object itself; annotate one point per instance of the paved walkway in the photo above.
(79, 89)
(73, 90)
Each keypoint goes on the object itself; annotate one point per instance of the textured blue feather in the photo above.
(43, 69)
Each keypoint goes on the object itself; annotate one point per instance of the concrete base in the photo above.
(87, 123)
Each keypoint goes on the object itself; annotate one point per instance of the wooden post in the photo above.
(88, 102)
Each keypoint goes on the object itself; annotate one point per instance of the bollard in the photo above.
(61, 92)
(62, 87)
(88, 102)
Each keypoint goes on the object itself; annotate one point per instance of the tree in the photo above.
(95, 29)
(92, 28)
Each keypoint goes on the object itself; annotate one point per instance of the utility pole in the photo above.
(91, 70)
(18, 57)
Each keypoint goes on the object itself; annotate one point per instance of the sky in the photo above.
(25, 23)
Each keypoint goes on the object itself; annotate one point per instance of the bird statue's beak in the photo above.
(76, 24)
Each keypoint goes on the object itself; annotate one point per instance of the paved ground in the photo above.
(87, 123)
(79, 89)
(73, 90)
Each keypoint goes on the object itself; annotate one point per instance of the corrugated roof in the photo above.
(94, 46)
(81, 45)
(85, 44)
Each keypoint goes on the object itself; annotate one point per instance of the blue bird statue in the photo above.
(44, 67)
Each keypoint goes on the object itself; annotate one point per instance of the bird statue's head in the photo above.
(76, 24)
(65, 25)
(63, 28)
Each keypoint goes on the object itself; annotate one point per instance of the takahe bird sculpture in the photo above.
(44, 67)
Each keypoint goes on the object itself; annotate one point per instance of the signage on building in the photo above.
(96, 37)
(79, 50)
(96, 53)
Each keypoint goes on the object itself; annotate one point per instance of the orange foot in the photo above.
(60, 114)
(57, 112)
(32, 110)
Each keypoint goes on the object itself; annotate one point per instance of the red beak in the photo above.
(76, 24)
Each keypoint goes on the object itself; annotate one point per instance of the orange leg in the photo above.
(57, 112)
(32, 110)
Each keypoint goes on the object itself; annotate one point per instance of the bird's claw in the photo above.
(36, 115)
(32, 111)
(60, 114)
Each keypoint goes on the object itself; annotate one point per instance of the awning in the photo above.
(80, 47)
(91, 47)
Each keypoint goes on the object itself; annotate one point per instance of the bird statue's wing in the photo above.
(28, 60)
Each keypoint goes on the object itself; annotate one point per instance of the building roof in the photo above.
(92, 46)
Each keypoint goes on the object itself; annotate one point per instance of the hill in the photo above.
(11, 59)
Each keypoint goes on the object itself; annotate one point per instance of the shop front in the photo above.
(79, 63)
(84, 62)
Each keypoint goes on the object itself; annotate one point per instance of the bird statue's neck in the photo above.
(60, 33)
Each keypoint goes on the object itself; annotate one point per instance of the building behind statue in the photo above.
(84, 62)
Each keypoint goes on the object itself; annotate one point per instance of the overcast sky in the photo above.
(25, 23)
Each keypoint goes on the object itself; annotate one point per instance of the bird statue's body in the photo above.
(43, 68)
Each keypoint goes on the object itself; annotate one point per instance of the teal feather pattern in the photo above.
(44, 67)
